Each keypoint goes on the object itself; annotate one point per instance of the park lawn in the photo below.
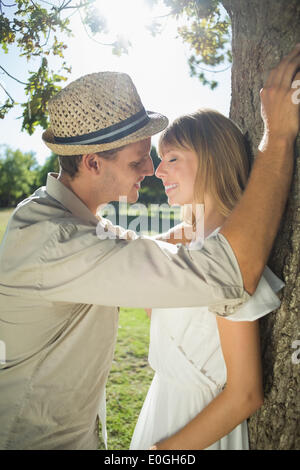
(129, 378)
(130, 375)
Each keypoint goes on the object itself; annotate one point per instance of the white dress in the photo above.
(190, 370)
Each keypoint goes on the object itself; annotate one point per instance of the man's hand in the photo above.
(253, 224)
(280, 112)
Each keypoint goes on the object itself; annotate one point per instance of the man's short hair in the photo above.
(70, 164)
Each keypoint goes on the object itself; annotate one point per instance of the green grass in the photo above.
(130, 375)
(129, 378)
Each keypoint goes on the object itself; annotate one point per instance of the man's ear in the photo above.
(91, 162)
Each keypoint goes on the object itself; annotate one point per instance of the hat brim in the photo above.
(157, 123)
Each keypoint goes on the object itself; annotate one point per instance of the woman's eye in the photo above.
(173, 160)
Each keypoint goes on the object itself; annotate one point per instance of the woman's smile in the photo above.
(170, 187)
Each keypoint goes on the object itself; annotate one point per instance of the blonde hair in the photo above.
(223, 163)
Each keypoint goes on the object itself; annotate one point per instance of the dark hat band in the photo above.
(109, 134)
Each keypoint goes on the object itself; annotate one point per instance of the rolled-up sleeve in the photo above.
(76, 266)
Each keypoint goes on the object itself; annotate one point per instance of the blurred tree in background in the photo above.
(152, 191)
(51, 165)
(18, 176)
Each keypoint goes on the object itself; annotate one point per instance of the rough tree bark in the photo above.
(262, 32)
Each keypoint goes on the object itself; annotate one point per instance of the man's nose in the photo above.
(148, 169)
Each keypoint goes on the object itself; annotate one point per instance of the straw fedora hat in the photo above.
(98, 112)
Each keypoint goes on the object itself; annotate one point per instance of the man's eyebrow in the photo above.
(140, 158)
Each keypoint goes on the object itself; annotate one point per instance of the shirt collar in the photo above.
(68, 199)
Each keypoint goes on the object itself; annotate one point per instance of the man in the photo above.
(60, 285)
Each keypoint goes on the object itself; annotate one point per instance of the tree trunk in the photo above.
(262, 32)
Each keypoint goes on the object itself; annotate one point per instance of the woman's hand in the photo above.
(148, 311)
(182, 233)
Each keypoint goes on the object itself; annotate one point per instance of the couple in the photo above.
(60, 285)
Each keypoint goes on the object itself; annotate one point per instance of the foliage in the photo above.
(39, 89)
(205, 32)
(28, 25)
(40, 29)
(35, 28)
(21, 175)
(18, 173)
(51, 165)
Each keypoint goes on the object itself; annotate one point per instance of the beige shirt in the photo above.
(60, 286)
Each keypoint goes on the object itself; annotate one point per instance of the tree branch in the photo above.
(90, 37)
(12, 100)
(4, 4)
(14, 78)
(66, 7)
(47, 3)
(45, 43)
(213, 71)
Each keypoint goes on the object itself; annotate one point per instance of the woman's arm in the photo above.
(241, 397)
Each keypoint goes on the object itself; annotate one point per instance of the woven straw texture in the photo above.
(94, 102)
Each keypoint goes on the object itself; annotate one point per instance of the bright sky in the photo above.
(157, 65)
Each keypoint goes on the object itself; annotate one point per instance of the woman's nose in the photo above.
(160, 171)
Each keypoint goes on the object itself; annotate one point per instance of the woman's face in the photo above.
(177, 170)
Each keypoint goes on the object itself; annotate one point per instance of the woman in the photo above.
(208, 377)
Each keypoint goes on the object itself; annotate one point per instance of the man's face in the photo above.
(123, 175)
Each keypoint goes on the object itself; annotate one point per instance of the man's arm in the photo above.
(253, 224)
